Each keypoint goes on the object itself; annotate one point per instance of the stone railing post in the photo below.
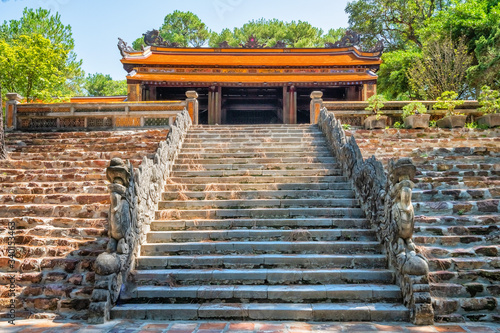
(192, 105)
(316, 106)
(11, 111)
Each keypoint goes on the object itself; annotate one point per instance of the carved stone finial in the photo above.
(118, 172)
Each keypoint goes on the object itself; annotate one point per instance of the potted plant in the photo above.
(489, 100)
(376, 121)
(415, 115)
(448, 101)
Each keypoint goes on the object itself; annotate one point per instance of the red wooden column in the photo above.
(293, 106)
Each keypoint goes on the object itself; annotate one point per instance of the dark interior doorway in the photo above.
(179, 94)
(252, 105)
(304, 100)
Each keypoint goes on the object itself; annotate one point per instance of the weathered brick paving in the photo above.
(130, 326)
(54, 188)
(456, 203)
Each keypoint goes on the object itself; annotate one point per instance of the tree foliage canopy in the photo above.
(37, 58)
(103, 85)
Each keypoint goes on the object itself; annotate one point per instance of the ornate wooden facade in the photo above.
(250, 84)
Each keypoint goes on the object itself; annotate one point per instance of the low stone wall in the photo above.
(384, 198)
(134, 198)
(354, 113)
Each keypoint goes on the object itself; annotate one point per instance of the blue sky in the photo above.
(97, 24)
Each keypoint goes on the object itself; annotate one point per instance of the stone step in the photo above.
(28, 222)
(255, 166)
(433, 240)
(444, 185)
(81, 142)
(253, 144)
(438, 166)
(212, 187)
(40, 164)
(268, 294)
(249, 136)
(259, 203)
(250, 161)
(438, 230)
(424, 175)
(261, 179)
(250, 195)
(43, 178)
(240, 131)
(263, 261)
(466, 264)
(221, 156)
(457, 220)
(291, 150)
(261, 247)
(461, 252)
(87, 187)
(485, 276)
(56, 171)
(92, 211)
(470, 207)
(85, 134)
(56, 198)
(257, 173)
(294, 223)
(260, 276)
(263, 235)
(259, 213)
(94, 147)
(456, 194)
(260, 311)
(76, 155)
(201, 141)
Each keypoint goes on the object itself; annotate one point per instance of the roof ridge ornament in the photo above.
(124, 48)
(153, 38)
(252, 43)
(351, 38)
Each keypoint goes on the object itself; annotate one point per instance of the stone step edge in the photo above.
(260, 311)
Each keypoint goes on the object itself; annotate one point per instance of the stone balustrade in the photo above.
(353, 113)
(134, 197)
(95, 116)
(386, 199)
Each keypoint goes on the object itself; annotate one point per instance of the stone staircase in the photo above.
(456, 201)
(53, 190)
(258, 222)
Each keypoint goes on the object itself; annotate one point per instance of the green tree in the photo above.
(184, 28)
(334, 35)
(103, 85)
(393, 74)
(397, 22)
(41, 27)
(443, 67)
(270, 32)
(33, 66)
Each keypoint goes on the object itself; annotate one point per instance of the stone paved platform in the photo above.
(134, 326)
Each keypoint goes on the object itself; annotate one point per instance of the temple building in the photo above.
(252, 83)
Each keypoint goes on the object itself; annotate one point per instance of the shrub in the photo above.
(448, 101)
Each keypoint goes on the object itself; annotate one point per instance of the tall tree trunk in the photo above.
(3, 152)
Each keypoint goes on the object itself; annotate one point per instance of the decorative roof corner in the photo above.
(125, 50)
(253, 43)
(353, 39)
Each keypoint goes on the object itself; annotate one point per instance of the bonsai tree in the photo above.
(413, 108)
(489, 100)
(375, 104)
(448, 101)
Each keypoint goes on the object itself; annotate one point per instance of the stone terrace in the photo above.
(456, 201)
(53, 186)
